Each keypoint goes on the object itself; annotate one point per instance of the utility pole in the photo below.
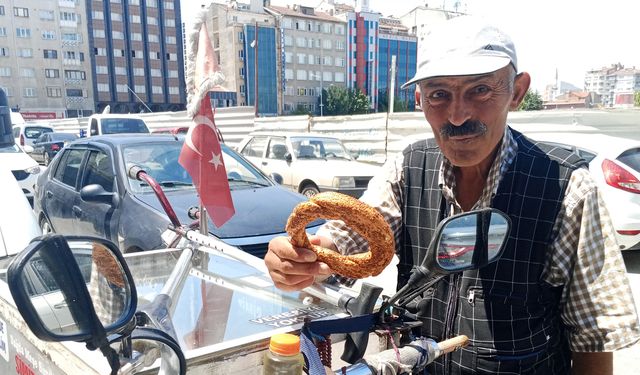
(255, 70)
(392, 87)
(321, 80)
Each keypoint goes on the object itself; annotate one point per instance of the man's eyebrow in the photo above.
(442, 82)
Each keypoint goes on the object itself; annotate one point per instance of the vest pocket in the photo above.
(531, 363)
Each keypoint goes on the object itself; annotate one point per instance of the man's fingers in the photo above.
(285, 251)
(291, 282)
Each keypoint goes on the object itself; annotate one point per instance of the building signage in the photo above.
(38, 115)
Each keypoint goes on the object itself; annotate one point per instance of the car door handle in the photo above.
(61, 305)
(265, 163)
(49, 194)
(77, 211)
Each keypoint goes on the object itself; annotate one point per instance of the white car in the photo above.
(27, 133)
(307, 163)
(18, 224)
(614, 163)
(23, 167)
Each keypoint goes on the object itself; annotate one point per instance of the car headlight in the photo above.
(33, 170)
(344, 182)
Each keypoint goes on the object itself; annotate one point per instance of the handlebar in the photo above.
(414, 356)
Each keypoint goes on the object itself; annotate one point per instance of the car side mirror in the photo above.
(355, 155)
(277, 177)
(27, 148)
(76, 276)
(287, 157)
(96, 193)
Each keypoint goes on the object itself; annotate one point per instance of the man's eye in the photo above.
(438, 95)
(482, 89)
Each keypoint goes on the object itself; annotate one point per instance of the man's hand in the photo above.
(295, 268)
(592, 363)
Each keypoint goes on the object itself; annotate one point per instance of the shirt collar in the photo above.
(505, 156)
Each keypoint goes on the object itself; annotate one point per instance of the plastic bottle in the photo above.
(283, 356)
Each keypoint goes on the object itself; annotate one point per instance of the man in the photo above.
(558, 300)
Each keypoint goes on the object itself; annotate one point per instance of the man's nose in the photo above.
(459, 111)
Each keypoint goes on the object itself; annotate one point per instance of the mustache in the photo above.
(469, 127)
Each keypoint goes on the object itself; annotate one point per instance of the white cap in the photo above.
(464, 46)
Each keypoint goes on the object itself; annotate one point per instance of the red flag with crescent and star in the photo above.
(201, 154)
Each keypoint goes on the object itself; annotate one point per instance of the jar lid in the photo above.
(285, 344)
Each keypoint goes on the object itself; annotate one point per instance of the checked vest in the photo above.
(510, 314)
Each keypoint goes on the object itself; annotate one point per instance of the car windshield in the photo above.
(631, 158)
(319, 148)
(160, 160)
(33, 132)
(10, 150)
(57, 137)
(123, 125)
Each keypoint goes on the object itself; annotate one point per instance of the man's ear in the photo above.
(520, 87)
(418, 104)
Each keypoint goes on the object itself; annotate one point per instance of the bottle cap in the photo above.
(285, 344)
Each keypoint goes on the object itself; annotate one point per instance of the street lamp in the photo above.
(254, 45)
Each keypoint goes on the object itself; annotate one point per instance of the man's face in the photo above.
(468, 114)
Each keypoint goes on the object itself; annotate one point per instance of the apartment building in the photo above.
(394, 40)
(615, 84)
(45, 66)
(247, 59)
(312, 56)
(136, 51)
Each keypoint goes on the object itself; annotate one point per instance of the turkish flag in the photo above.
(201, 156)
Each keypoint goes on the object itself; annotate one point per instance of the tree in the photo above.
(636, 98)
(399, 105)
(532, 101)
(342, 101)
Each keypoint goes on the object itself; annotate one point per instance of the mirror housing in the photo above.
(277, 177)
(64, 268)
(96, 193)
(288, 157)
(164, 346)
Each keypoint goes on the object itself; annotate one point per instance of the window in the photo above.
(100, 51)
(154, 38)
(52, 73)
(302, 58)
(340, 45)
(288, 57)
(151, 20)
(29, 92)
(288, 74)
(69, 16)
(77, 93)
(48, 35)
(102, 69)
(140, 89)
(339, 61)
(155, 73)
(301, 74)
(168, 5)
(301, 42)
(173, 73)
(326, 28)
(326, 44)
(1, 10)
(339, 77)
(173, 90)
(68, 167)
(54, 92)
(172, 56)
(277, 148)
(116, 16)
(138, 72)
(50, 54)
(69, 55)
(156, 89)
(97, 15)
(99, 171)
(23, 32)
(4, 52)
(327, 76)
(27, 72)
(72, 37)
(288, 41)
(327, 60)
(170, 39)
(242, 72)
(121, 88)
(98, 33)
(25, 52)
(20, 12)
(118, 52)
(255, 147)
(5, 72)
(76, 74)
(340, 29)
(117, 35)
(286, 23)
(46, 15)
(3, 31)
(103, 87)
(121, 71)
(134, 18)
(136, 36)
(170, 22)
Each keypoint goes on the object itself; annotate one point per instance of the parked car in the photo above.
(24, 168)
(86, 191)
(49, 144)
(174, 131)
(18, 224)
(615, 166)
(26, 133)
(308, 163)
(109, 123)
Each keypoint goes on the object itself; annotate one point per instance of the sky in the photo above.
(570, 36)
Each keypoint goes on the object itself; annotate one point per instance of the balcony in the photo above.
(66, 4)
(67, 23)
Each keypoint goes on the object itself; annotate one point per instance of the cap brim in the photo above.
(462, 66)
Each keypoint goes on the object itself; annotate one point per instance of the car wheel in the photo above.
(45, 158)
(309, 190)
(45, 226)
